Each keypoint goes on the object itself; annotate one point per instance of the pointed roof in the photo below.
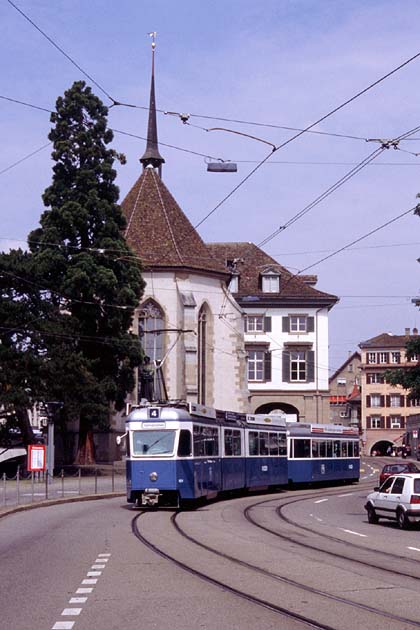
(387, 340)
(160, 233)
(151, 155)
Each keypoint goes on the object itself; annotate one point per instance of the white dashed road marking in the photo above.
(349, 531)
(413, 548)
(320, 500)
(100, 563)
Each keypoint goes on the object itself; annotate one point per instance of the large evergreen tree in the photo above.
(82, 270)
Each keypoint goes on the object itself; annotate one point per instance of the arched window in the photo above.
(202, 354)
(151, 324)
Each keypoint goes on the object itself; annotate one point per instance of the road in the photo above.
(78, 565)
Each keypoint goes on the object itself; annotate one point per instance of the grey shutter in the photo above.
(310, 366)
(310, 324)
(388, 401)
(286, 324)
(267, 324)
(286, 367)
(382, 401)
(402, 400)
(368, 401)
(368, 423)
(267, 366)
(387, 422)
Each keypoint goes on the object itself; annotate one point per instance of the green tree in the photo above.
(85, 275)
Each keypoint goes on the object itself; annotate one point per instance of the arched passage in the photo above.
(280, 406)
(381, 448)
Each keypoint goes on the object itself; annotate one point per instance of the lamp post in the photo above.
(52, 410)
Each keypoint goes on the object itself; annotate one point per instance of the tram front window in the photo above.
(147, 443)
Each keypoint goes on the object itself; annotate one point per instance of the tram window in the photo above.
(232, 443)
(355, 449)
(253, 442)
(198, 441)
(344, 449)
(211, 441)
(148, 443)
(263, 443)
(323, 449)
(315, 448)
(337, 448)
(282, 444)
(329, 448)
(184, 445)
(302, 448)
(350, 449)
(273, 444)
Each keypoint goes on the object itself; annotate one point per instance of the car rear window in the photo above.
(417, 486)
(395, 468)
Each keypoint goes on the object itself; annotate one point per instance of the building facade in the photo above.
(345, 396)
(385, 407)
(286, 332)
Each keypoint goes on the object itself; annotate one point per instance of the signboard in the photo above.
(37, 457)
(415, 434)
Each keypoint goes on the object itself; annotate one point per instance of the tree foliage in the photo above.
(80, 281)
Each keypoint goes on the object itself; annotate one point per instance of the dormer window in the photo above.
(270, 281)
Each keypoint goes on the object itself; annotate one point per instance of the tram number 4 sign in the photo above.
(37, 457)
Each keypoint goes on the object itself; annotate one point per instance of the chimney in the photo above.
(415, 332)
(407, 332)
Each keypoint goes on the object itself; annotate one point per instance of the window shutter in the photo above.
(388, 401)
(286, 367)
(402, 400)
(286, 324)
(367, 401)
(383, 422)
(402, 423)
(310, 366)
(388, 422)
(310, 324)
(382, 401)
(267, 366)
(267, 324)
(368, 423)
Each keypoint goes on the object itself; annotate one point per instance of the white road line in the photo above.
(413, 548)
(71, 612)
(93, 573)
(349, 494)
(104, 555)
(348, 531)
(78, 600)
(98, 566)
(82, 591)
(63, 625)
(320, 500)
(101, 559)
(90, 581)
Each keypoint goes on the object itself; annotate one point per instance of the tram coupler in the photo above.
(150, 496)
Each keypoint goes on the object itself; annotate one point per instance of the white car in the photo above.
(398, 499)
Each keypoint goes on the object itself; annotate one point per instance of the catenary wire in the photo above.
(26, 157)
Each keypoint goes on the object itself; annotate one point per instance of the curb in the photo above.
(39, 504)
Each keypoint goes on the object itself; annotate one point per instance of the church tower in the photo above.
(190, 326)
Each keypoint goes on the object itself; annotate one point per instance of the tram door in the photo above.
(206, 460)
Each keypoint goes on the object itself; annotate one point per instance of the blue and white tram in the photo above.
(190, 451)
(322, 453)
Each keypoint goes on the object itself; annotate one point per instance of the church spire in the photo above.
(151, 156)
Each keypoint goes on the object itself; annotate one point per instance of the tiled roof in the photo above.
(159, 232)
(251, 261)
(387, 340)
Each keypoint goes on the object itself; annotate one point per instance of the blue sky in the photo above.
(276, 62)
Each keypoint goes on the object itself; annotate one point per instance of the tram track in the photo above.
(391, 619)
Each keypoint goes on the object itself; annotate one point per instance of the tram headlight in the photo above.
(153, 476)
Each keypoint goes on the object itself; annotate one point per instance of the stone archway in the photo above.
(278, 406)
(381, 447)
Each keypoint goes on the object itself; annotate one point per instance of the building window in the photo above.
(395, 422)
(298, 366)
(371, 357)
(350, 367)
(375, 422)
(202, 355)
(395, 400)
(259, 364)
(415, 402)
(151, 324)
(374, 377)
(298, 323)
(414, 358)
(395, 357)
(271, 283)
(383, 357)
(375, 400)
(341, 381)
(254, 323)
(234, 284)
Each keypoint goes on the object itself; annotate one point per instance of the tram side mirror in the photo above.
(120, 438)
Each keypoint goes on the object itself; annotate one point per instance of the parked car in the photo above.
(398, 498)
(393, 469)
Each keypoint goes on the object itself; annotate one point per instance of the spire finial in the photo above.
(152, 156)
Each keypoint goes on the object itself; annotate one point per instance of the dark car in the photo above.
(397, 469)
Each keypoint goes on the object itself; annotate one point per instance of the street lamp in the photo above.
(53, 408)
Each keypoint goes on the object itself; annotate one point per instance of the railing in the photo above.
(70, 481)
